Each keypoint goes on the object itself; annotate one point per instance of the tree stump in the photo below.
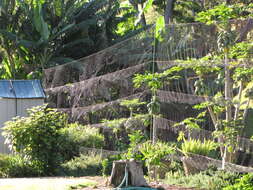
(190, 165)
(135, 173)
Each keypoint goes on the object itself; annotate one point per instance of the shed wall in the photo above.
(24, 104)
(8, 111)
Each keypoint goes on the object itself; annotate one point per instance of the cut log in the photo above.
(134, 170)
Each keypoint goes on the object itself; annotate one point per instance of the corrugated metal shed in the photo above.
(21, 89)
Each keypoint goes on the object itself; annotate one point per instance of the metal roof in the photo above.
(21, 89)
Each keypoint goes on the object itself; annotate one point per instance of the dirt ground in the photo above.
(102, 185)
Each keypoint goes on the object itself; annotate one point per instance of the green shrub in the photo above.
(84, 165)
(75, 136)
(4, 165)
(83, 136)
(37, 136)
(133, 152)
(16, 166)
(243, 183)
(176, 166)
(153, 154)
(210, 179)
(198, 147)
(46, 139)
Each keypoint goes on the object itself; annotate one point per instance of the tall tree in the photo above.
(178, 10)
(169, 11)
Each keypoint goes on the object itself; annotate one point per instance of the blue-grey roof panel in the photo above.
(21, 89)
(6, 90)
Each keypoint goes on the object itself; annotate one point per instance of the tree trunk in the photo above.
(228, 88)
(228, 2)
(131, 168)
(154, 139)
(245, 30)
(169, 11)
(237, 109)
(227, 156)
(141, 18)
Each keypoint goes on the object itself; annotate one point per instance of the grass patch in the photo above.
(84, 165)
(82, 185)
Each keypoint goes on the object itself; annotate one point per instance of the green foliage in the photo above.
(115, 123)
(154, 81)
(182, 10)
(229, 132)
(221, 13)
(37, 136)
(16, 166)
(149, 79)
(243, 183)
(160, 26)
(218, 105)
(243, 74)
(176, 166)
(84, 165)
(46, 139)
(38, 34)
(40, 25)
(148, 5)
(154, 153)
(132, 105)
(133, 152)
(209, 179)
(197, 147)
(128, 12)
(154, 106)
(75, 136)
(83, 135)
(192, 122)
(241, 50)
(107, 164)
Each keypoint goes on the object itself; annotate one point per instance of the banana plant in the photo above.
(10, 15)
(40, 34)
